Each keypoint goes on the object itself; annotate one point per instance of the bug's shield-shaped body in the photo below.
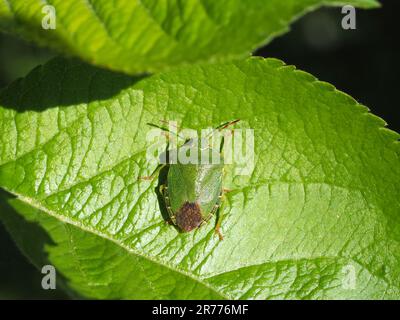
(193, 193)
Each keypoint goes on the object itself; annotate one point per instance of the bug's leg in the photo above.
(219, 219)
(155, 172)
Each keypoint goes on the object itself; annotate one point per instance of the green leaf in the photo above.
(96, 267)
(149, 35)
(322, 202)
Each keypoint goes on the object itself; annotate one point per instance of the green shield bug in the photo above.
(193, 193)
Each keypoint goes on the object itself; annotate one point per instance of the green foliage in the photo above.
(323, 196)
(149, 35)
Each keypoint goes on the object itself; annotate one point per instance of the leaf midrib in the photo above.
(66, 220)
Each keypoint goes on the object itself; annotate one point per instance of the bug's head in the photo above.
(189, 216)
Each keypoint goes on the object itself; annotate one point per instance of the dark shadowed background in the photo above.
(364, 63)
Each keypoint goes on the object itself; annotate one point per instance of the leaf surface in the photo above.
(321, 205)
(149, 35)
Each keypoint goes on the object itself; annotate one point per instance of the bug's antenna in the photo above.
(164, 129)
(227, 124)
(223, 126)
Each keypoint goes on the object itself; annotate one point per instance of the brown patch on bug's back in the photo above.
(189, 216)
